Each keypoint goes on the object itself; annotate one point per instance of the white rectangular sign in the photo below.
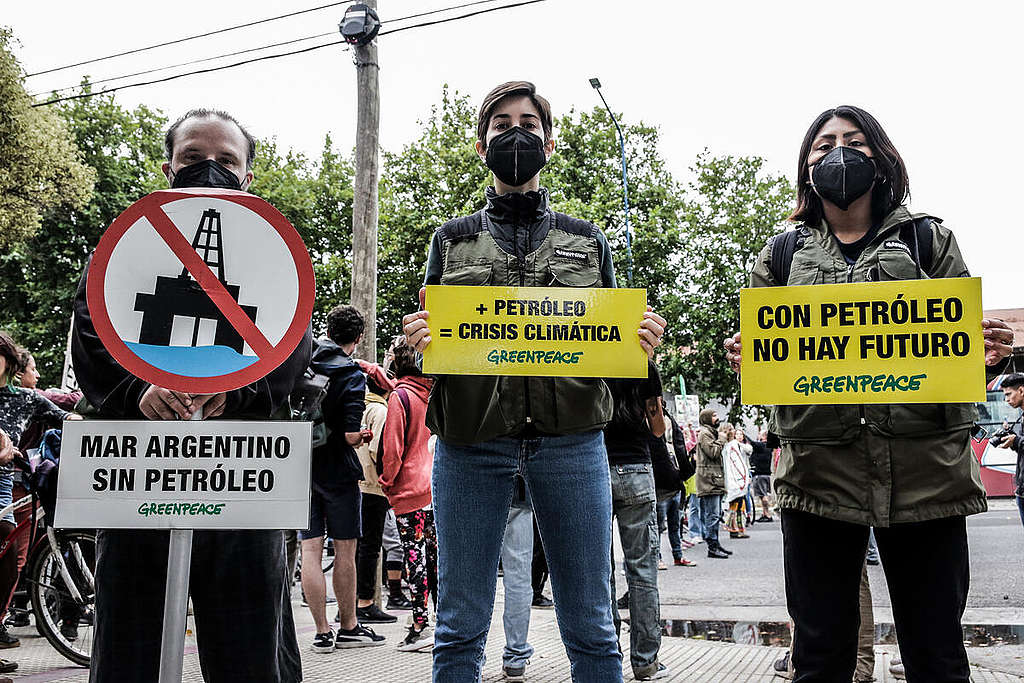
(157, 474)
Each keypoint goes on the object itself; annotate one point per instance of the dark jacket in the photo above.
(875, 464)
(760, 458)
(114, 392)
(336, 462)
(517, 241)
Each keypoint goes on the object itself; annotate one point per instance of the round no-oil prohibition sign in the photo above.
(200, 290)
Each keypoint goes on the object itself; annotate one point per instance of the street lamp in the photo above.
(596, 84)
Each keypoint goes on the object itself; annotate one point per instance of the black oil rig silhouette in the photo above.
(182, 295)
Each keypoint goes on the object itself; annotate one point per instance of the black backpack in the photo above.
(306, 401)
(916, 234)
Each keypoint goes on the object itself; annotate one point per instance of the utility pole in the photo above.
(364, 201)
(596, 85)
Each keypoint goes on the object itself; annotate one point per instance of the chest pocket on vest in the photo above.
(572, 274)
(467, 273)
(804, 271)
(896, 264)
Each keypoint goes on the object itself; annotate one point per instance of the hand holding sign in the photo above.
(998, 340)
(416, 327)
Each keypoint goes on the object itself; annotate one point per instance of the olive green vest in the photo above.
(470, 409)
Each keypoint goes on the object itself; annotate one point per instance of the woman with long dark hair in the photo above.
(907, 470)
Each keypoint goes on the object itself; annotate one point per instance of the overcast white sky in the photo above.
(742, 78)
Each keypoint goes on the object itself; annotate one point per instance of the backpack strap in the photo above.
(462, 228)
(403, 396)
(784, 245)
(919, 236)
(573, 226)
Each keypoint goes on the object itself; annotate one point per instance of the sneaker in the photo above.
(18, 618)
(696, 539)
(686, 544)
(6, 667)
(360, 636)
(717, 554)
(417, 640)
(540, 601)
(781, 666)
(323, 642)
(683, 562)
(897, 669)
(6, 639)
(739, 534)
(662, 566)
(514, 674)
(653, 672)
(623, 602)
(399, 603)
(69, 630)
(372, 614)
(765, 518)
(873, 561)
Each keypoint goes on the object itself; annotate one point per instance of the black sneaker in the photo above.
(6, 639)
(542, 602)
(7, 666)
(417, 640)
(399, 603)
(623, 602)
(514, 674)
(360, 636)
(323, 642)
(18, 618)
(372, 614)
(69, 630)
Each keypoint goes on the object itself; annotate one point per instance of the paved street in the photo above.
(747, 588)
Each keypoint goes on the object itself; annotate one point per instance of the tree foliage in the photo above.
(40, 169)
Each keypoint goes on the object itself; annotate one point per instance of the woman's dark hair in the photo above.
(892, 187)
(513, 89)
(405, 358)
(629, 408)
(12, 354)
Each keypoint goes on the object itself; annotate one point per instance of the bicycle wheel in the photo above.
(67, 623)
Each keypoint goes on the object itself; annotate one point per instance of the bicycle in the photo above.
(59, 578)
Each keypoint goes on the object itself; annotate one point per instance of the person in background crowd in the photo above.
(711, 481)
(669, 513)
(907, 470)
(1013, 392)
(407, 459)
(694, 524)
(19, 406)
(374, 502)
(737, 480)
(6, 455)
(516, 565)
(335, 501)
(637, 415)
(394, 563)
(539, 570)
(546, 430)
(761, 464)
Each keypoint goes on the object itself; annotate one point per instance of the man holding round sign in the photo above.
(167, 327)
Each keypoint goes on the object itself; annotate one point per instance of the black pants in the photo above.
(926, 566)
(243, 615)
(375, 509)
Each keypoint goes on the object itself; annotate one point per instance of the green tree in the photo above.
(735, 207)
(121, 149)
(40, 168)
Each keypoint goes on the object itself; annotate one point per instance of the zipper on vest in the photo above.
(522, 283)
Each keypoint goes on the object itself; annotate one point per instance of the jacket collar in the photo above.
(528, 207)
(890, 226)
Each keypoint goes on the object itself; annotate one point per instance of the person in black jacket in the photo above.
(761, 463)
(1013, 392)
(334, 508)
(239, 586)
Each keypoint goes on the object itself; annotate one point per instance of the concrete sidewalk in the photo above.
(688, 660)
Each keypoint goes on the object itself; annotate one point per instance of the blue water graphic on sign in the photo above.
(192, 361)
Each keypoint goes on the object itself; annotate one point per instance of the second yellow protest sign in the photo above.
(912, 341)
(539, 331)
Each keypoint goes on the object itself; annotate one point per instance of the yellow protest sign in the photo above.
(539, 331)
(911, 341)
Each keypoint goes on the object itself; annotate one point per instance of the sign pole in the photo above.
(172, 641)
(179, 567)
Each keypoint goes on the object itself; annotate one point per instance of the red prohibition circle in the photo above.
(112, 342)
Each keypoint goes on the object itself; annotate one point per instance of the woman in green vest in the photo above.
(496, 432)
(908, 470)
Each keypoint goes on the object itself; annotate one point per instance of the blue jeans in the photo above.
(669, 509)
(633, 504)
(567, 482)
(710, 516)
(696, 525)
(517, 564)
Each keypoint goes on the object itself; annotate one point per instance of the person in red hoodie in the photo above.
(407, 458)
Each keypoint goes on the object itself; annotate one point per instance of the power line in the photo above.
(240, 52)
(189, 63)
(182, 40)
(281, 54)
